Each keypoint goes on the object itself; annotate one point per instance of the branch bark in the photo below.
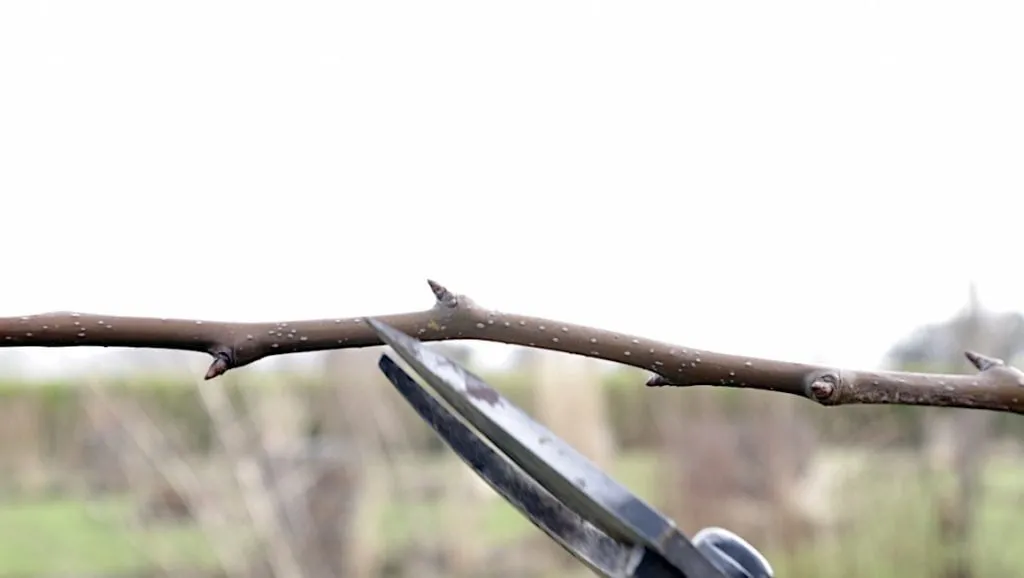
(996, 386)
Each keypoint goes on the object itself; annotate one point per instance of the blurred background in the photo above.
(807, 181)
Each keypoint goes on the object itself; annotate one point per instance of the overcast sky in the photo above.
(800, 179)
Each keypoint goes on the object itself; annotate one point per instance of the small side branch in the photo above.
(232, 345)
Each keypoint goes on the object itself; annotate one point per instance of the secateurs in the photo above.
(597, 520)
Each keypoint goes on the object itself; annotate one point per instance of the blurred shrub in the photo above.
(60, 407)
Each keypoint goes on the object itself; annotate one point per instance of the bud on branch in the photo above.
(996, 386)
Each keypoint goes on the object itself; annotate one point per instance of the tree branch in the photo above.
(232, 345)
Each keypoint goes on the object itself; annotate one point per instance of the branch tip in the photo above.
(219, 367)
(444, 297)
(981, 361)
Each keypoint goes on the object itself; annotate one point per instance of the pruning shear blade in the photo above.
(604, 555)
(568, 476)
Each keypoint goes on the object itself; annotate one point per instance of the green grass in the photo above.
(54, 537)
(891, 536)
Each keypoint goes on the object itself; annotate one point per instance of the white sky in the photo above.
(807, 180)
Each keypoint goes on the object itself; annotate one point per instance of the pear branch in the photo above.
(996, 386)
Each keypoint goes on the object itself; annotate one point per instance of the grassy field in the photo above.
(55, 537)
(893, 535)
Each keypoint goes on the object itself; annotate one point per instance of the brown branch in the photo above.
(996, 386)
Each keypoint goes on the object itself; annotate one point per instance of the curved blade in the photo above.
(591, 546)
(568, 475)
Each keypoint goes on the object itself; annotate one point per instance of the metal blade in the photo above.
(591, 546)
(568, 475)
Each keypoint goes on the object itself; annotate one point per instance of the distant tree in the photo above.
(937, 346)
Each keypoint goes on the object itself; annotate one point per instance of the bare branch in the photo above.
(232, 345)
